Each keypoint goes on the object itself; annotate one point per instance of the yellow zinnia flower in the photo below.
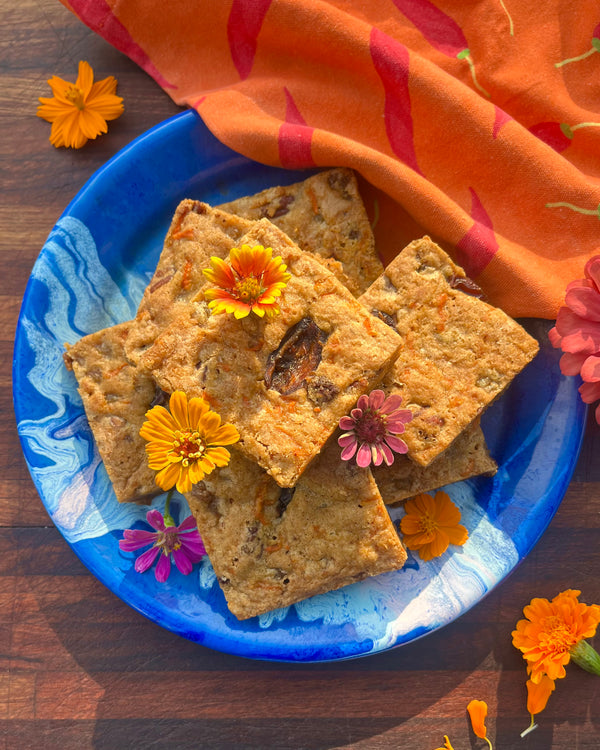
(431, 524)
(79, 111)
(252, 283)
(185, 443)
(554, 632)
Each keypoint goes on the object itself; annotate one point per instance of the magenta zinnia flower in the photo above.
(371, 431)
(577, 332)
(182, 542)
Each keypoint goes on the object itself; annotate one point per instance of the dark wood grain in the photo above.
(81, 669)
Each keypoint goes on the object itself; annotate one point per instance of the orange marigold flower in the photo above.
(553, 632)
(431, 524)
(185, 443)
(477, 713)
(252, 283)
(79, 111)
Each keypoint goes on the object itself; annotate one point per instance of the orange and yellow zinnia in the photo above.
(185, 442)
(552, 631)
(79, 111)
(252, 281)
(431, 524)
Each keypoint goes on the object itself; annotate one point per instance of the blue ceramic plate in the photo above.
(91, 274)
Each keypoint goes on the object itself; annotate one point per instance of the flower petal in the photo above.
(182, 561)
(363, 456)
(396, 444)
(376, 399)
(163, 568)
(477, 713)
(145, 560)
(578, 334)
(592, 270)
(584, 301)
(590, 369)
(349, 451)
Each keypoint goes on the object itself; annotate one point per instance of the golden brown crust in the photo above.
(227, 360)
(325, 216)
(115, 397)
(467, 456)
(458, 353)
(271, 547)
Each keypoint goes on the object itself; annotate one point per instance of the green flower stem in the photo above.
(530, 728)
(586, 211)
(585, 125)
(465, 54)
(166, 515)
(586, 657)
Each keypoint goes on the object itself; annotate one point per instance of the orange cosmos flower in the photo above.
(185, 443)
(553, 632)
(431, 524)
(251, 283)
(79, 111)
(477, 713)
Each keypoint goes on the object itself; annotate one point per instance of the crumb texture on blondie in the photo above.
(197, 231)
(324, 215)
(115, 397)
(458, 353)
(467, 456)
(271, 547)
(283, 382)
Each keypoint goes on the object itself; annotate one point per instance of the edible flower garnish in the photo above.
(252, 283)
(431, 524)
(577, 332)
(79, 111)
(371, 431)
(182, 543)
(552, 634)
(185, 442)
(477, 713)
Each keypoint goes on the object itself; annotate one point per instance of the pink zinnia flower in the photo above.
(182, 542)
(371, 431)
(577, 332)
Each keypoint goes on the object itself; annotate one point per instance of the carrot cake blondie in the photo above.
(115, 397)
(197, 231)
(283, 382)
(468, 456)
(324, 215)
(458, 352)
(271, 547)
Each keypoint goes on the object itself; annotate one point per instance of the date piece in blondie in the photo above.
(197, 231)
(467, 456)
(116, 397)
(458, 352)
(324, 215)
(271, 547)
(284, 382)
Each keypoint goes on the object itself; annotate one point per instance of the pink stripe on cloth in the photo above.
(101, 19)
(243, 27)
(294, 138)
(479, 245)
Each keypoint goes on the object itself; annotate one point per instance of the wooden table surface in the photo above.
(81, 669)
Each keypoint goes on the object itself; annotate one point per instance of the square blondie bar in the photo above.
(271, 547)
(178, 277)
(115, 397)
(458, 353)
(324, 215)
(467, 456)
(285, 382)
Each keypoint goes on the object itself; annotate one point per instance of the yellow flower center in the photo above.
(75, 95)
(188, 446)
(560, 637)
(428, 524)
(249, 289)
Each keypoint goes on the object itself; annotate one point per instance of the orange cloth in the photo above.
(477, 123)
